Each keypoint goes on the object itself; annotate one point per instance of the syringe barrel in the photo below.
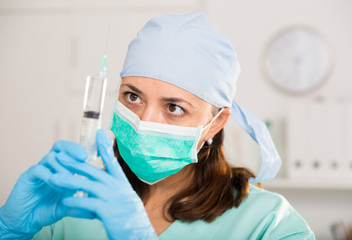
(92, 108)
(94, 95)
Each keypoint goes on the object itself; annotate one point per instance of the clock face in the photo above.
(297, 60)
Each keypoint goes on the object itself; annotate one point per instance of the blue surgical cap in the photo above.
(188, 52)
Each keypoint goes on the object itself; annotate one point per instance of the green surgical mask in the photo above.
(154, 151)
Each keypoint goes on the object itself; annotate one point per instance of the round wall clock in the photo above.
(297, 60)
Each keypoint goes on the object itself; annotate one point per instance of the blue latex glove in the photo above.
(111, 198)
(33, 203)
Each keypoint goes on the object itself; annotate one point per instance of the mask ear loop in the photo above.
(210, 140)
(216, 116)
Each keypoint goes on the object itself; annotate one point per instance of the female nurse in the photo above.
(166, 173)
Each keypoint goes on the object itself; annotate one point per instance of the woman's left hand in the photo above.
(111, 197)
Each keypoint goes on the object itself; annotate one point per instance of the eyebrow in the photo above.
(133, 88)
(165, 99)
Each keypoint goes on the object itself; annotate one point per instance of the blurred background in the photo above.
(296, 60)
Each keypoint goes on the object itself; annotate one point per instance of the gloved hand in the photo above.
(110, 196)
(33, 203)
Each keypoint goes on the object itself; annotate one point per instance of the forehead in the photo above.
(159, 89)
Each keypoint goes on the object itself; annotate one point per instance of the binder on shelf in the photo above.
(334, 139)
(296, 164)
(316, 140)
(347, 163)
(319, 141)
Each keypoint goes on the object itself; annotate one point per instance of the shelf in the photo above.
(309, 184)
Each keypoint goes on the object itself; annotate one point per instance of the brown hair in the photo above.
(216, 186)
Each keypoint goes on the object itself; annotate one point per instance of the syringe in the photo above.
(92, 110)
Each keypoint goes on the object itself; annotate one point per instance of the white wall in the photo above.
(48, 48)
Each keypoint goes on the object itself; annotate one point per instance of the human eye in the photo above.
(175, 111)
(131, 97)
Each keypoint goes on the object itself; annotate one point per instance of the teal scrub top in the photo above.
(262, 215)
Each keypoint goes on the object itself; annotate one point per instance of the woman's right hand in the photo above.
(33, 202)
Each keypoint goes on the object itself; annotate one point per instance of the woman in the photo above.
(171, 179)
